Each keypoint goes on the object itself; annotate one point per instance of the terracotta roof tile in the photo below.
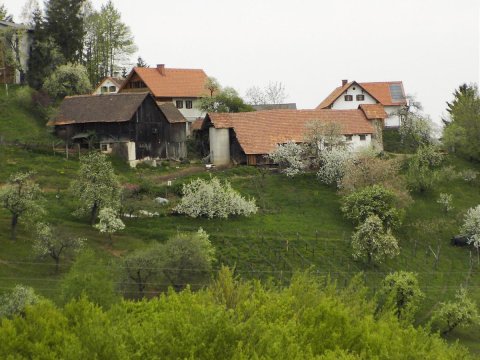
(378, 90)
(174, 82)
(198, 124)
(260, 131)
(373, 111)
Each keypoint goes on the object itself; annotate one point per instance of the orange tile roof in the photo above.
(373, 111)
(174, 82)
(259, 132)
(380, 91)
(197, 124)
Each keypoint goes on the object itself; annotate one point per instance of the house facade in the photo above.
(132, 126)
(108, 85)
(246, 138)
(181, 87)
(18, 42)
(350, 95)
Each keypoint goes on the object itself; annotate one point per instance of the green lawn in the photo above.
(299, 226)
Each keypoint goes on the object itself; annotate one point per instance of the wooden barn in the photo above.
(131, 125)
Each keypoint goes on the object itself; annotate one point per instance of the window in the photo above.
(113, 89)
(348, 137)
(188, 104)
(179, 104)
(348, 97)
(104, 89)
(363, 137)
(104, 147)
(360, 97)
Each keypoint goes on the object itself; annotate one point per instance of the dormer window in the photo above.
(348, 97)
(360, 97)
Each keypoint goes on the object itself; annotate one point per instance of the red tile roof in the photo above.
(197, 124)
(173, 82)
(380, 91)
(259, 132)
(373, 111)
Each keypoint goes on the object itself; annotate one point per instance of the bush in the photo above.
(17, 300)
(213, 199)
(334, 163)
(372, 200)
(68, 80)
(290, 157)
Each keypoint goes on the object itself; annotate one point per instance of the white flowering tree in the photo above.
(471, 228)
(96, 186)
(372, 243)
(21, 198)
(15, 302)
(445, 200)
(213, 199)
(109, 222)
(333, 163)
(290, 157)
(51, 242)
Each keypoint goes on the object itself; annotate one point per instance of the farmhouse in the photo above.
(248, 137)
(181, 87)
(133, 126)
(352, 94)
(109, 85)
(18, 42)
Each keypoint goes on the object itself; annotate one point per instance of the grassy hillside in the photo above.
(299, 226)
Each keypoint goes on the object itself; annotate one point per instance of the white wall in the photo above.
(219, 146)
(190, 114)
(106, 83)
(393, 120)
(341, 104)
(356, 144)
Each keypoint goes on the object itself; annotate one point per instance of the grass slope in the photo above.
(299, 226)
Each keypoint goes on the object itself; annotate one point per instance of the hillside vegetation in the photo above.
(299, 226)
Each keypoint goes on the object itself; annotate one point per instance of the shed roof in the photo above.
(168, 82)
(259, 132)
(172, 114)
(373, 111)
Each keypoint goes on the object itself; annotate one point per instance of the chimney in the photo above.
(344, 82)
(161, 69)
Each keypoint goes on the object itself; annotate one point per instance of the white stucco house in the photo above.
(108, 85)
(182, 87)
(350, 95)
(21, 38)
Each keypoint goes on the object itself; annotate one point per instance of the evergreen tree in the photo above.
(65, 24)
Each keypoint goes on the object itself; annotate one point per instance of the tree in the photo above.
(4, 14)
(371, 242)
(416, 128)
(11, 41)
(460, 312)
(53, 243)
(212, 85)
(141, 62)
(45, 55)
(67, 80)
(15, 302)
(462, 131)
(226, 100)
(65, 24)
(422, 174)
(187, 259)
(213, 199)
(372, 200)
(96, 185)
(21, 197)
(109, 223)
(273, 93)
(142, 266)
(28, 12)
(333, 165)
(92, 277)
(290, 157)
(401, 290)
(471, 228)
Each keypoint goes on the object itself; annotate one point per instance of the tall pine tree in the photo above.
(65, 24)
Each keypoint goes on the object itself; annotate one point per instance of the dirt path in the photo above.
(181, 173)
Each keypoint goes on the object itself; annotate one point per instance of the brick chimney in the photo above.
(161, 69)
(344, 82)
